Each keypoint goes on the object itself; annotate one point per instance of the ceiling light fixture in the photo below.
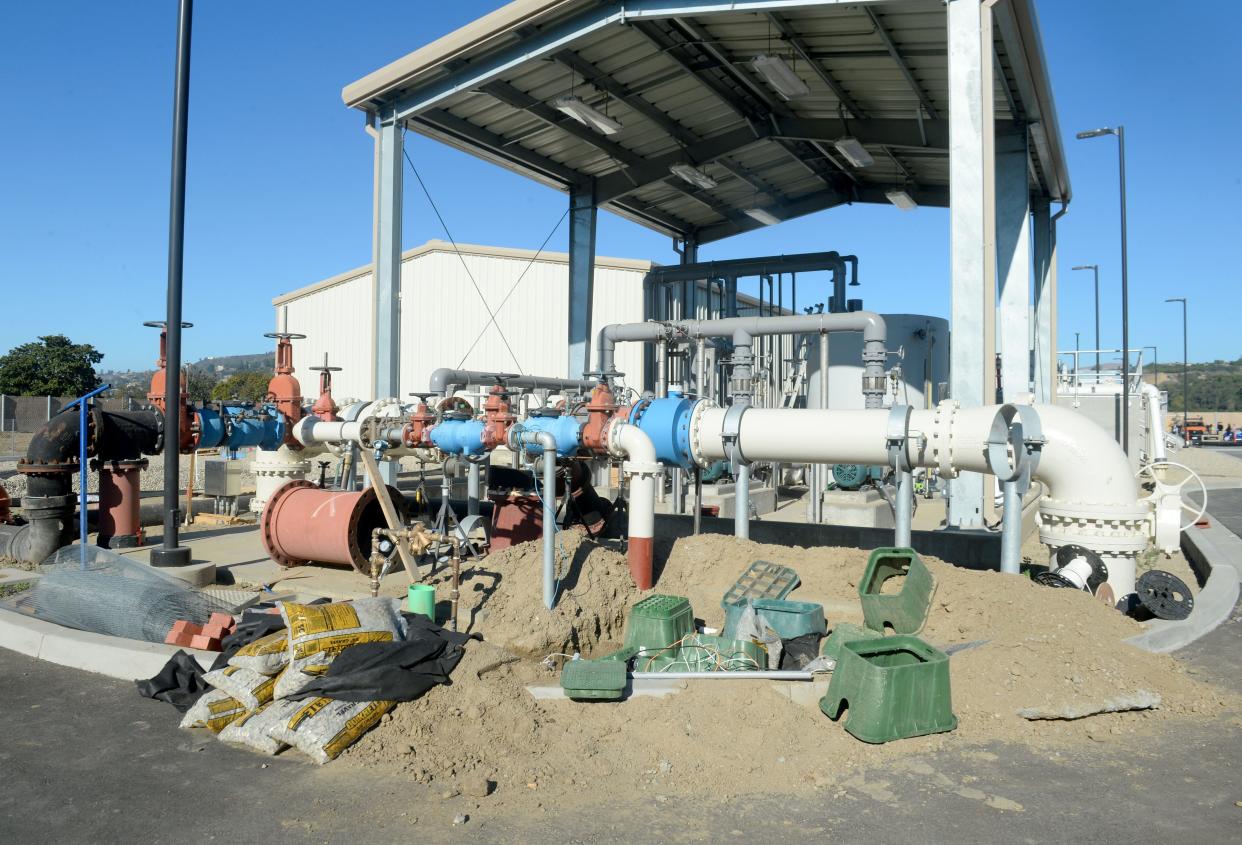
(779, 76)
(901, 199)
(693, 175)
(765, 217)
(855, 153)
(586, 115)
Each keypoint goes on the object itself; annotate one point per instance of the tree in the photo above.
(244, 387)
(200, 383)
(54, 366)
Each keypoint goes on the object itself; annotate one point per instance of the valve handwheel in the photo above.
(1163, 475)
(285, 335)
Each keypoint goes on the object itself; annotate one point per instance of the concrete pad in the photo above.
(1217, 552)
(98, 653)
(806, 693)
(640, 688)
(864, 507)
(16, 576)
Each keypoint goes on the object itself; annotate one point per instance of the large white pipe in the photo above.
(632, 443)
(1155, 422)
(1091, 498)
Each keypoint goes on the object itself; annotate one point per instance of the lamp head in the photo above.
(1096, 133)
(1086, 267)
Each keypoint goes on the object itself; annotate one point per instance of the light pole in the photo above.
(1120, 132)
(1095, 268)
(1076, 376)
(1185, 365)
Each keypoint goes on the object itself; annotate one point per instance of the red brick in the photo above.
(224, 620)
(205, 643)
(217, 631)
(181, 638)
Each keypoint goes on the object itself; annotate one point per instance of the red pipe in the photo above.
(120, 485)
(641, 569)
(302, 523)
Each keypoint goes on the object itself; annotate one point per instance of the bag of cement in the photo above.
(266, 655)
(321, 728)
(752, 627)
(254, 729)
(318, 633)
(214, 710)
(249, 687)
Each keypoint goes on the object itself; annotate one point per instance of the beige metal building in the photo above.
(445, 321)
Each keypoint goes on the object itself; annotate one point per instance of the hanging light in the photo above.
(853, 150)
(693, 175)
(779, 76)
(586, 115)
(901, 199)
(764, 216)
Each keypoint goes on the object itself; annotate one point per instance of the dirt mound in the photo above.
(1037, 647)
(502, 598)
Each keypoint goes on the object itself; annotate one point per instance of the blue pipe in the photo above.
(459, 437)
(566, 430)
(667, 422)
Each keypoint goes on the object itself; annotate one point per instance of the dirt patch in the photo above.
(1211, 463)
(1038, 647)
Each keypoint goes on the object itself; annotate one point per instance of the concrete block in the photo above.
(18, 636)
(864, 508)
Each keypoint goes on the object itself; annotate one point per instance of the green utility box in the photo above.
(905, 611)
(656, 623)
(845, 633)
(789, 619)
(893, 688)
(600, 680)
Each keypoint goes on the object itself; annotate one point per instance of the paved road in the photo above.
(84, 759)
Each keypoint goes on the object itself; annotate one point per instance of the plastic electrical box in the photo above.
(905, 611)
(789, 619)
(844, 633)
(892, 688)
(657, 622)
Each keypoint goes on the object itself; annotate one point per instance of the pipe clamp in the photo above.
(896, 436)
(730, 431)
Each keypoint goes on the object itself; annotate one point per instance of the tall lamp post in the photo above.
(1095, 268)
(1120, 132)
(1185, 365)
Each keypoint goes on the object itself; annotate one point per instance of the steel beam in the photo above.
(1044, 335)
(582, 219)
(902, 65)
(971, 231)
(387, 275)
(601, 80)
(1013, 255)
(444, 126)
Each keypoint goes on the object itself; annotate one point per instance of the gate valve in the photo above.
(284, 391)
(601, 408)
(159, 383)
(498, 416)
(417, 431)
(325, 406)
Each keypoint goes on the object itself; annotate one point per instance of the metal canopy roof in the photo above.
(677, 76)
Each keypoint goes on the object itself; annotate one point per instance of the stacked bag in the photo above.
(261, 698)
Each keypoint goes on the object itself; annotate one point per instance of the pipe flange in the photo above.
(942, 437)
(647, 468)
(267, 522)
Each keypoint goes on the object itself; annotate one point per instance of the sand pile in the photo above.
(1041, 648)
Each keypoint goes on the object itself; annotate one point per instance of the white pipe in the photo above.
(473, 473)
(547, 442)
(1091, 498)
(632, 443)
(1155, 422)
(741, 502)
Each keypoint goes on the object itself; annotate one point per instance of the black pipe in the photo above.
(52, 459)
(172, 554)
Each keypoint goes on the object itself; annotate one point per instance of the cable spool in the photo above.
(1165, 595)
(1077, 567)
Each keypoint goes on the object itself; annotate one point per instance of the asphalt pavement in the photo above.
(85, 759)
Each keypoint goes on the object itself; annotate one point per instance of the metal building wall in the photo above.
(337, 320)
(444, 322)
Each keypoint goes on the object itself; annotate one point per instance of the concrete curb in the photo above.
(1217, 552)
(112, 656)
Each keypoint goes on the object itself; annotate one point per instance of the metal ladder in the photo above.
(795, 381)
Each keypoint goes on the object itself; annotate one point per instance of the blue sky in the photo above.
(279, 186)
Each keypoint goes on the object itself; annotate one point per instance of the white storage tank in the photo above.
(924, 341)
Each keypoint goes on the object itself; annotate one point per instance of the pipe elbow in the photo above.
(1081, 462)
(440, 380)
(874, 327)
